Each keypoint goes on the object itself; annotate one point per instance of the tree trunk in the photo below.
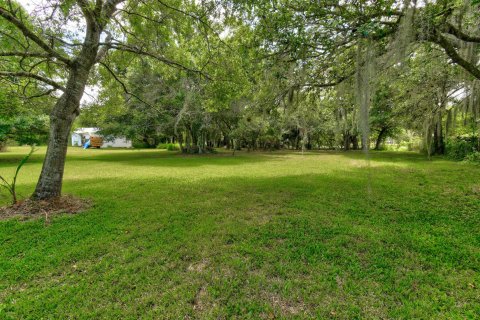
(50, 182)
(226, 142)
(188, 142)
(346, 142)
(3, 146)
(380, 138)
(438, 141)
(61, 119)
(67, 106)
(180, 141)
(354, 142)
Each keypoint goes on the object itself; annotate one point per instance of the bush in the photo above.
(168, 146)
(25, 130)
(473, 157)
(460, 147)
(139, 144)
(173, 147)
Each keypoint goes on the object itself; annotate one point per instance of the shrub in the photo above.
(460, 147)
(140, 144)
(168, 146)
(172, 147)
(473, 157)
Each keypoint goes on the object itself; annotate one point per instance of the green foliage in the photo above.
(269, 88)
(24, 129)
(141, 144)
(461, 147)
(22, 119)
(473, 157)
(168, 146)
(31, 130)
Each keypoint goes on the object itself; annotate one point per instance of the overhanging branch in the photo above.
(30, 75)
(328, 84)
(459, 34)
(139, 51)
(124, 86)
(4, 13)
(25, 54)
(455, 56)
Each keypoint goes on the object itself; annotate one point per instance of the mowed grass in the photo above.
(256, 236)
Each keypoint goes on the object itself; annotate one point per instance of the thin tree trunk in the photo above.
(346, 142)
(438, 139)
(354, 142)
(380, 138)
(3, 146)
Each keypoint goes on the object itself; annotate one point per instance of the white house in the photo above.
(81, 135)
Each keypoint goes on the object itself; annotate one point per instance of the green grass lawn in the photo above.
(256, 236)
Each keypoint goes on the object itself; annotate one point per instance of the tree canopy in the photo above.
(245, 74)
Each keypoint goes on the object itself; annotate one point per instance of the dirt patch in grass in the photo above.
(30, 209)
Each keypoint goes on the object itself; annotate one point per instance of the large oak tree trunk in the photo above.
(50, 182)
(77, 64)
(61, 119)
(64, 113)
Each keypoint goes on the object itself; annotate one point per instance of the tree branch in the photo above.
(453, 54)
(104, 49)
(328, 84)
(124, 86)
(87, 10)
(41, 94)
(451, 29)
(125, 89)
(32, 36)
(32, 76)
(25, 54)
(136, 50)
(108, 9)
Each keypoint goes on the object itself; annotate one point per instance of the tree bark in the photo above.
(3, 146)
(354, 142)
(380, 138)
(346, 142)
(438, 139)
(77, 65)
(62, 116)
(61, 119)
(50, 182)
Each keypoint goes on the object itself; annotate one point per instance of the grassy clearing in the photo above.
(273, 235)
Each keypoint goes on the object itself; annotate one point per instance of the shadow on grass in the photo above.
(152, 157)
(390, 156)
(148, 158)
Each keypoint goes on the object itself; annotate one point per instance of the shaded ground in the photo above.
(271, 235)
(29, 209)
